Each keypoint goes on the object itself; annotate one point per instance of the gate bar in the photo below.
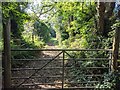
(59, 49)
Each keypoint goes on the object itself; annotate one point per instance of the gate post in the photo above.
(115, 52)
(7, 55)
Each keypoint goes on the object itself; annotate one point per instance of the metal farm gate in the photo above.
(63, 71)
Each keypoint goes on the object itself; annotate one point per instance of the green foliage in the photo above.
(1, 45)
(53, 41)
(15, 10)
(11, 9)
(108, 82)
(79, 68)
(42, 31)
(23, 55)
(75, 26)
(77, 23)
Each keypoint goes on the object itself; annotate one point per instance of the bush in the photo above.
(23, 54)
(109, 81)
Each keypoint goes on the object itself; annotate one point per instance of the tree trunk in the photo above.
(101, 13)
(70, 19)
(109, 9)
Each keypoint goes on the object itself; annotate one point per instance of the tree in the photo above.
(15, 11)
(105, 12)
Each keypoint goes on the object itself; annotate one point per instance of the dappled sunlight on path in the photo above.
(50, 53)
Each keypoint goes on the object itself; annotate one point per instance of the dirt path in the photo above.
(51, 53)
(52, 71)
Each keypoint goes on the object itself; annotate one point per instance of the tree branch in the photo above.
(45, 11)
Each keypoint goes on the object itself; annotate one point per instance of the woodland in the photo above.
(63, 25)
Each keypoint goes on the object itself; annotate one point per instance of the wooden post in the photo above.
(115, 49)
(115, 54)
(7, 55)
